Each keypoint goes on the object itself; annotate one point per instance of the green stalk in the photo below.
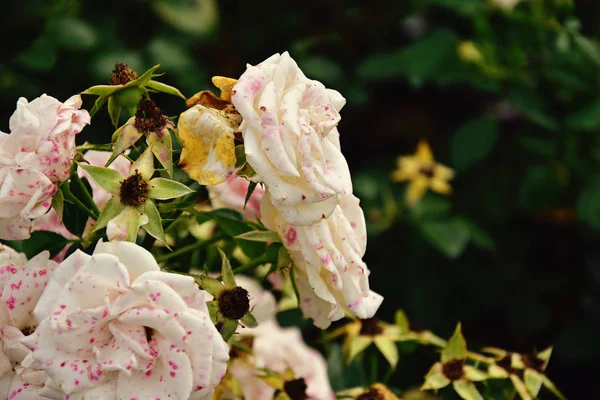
(190, 247)
(89, 200)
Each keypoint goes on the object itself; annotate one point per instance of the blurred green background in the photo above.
(509, 99)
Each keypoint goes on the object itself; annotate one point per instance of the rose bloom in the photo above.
(36, 155)
(25, 194)
(42, 135)
(291, 139)
(330, 274)
(113, 326)
(275, 348)
(21, 285)
(232, 194)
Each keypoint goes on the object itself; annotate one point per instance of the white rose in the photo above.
(21, 285)
(25, 194)
(43, 135)
(330, 274)
(113, 326)
(291, 139)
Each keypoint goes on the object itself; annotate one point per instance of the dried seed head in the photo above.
(453, 369)
(370, 327)
(296, 389)
(149, 118)
(234, 303)
(134, 190)
(122, 74)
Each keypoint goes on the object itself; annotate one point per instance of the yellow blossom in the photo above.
(423, 173)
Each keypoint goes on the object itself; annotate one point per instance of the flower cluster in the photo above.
(115, 299)
(35, 157)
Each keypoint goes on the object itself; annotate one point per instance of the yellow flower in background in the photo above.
(423, 173)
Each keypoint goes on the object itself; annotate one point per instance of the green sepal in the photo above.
(211, 285)
(154, 226)
(251, 188)
(249, 321)
(164, 189)
(110, 211)
(260, 236)
(228, 329)
(58, 203)
(466, 390)
(213, 310)
(114, 111)
(162, 147)
(402, 321)
(102, 90)
(164, 88)
(108, 179)
(283, 258)
(456, 349)
(144, 164)
(226, 272)
(98, 104)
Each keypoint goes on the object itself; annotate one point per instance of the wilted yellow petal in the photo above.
(225, 85)
(208, 154)
(208, 99)
(442, 172)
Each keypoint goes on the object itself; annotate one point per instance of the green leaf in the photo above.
(465, 7)
(588, 205)
(240, 156)
(226, 271)
(233, 224)
(58, 203)
(532, 105)
(589, 48)
(335, 367)
(479, 237)
(323, 69)
(456, 349)
(449, 236)
(73, 34)
(537, 145)
(249, 321)
(41, 55)
(417, 62)
(585, 119)
(472, 142)
(194, 17)
(164, 189)
(154, 226)
(110, 211)
(164, 88)
(108, 179)
(228, 329)
(43, 240)
(260, 236)
(114, 111)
